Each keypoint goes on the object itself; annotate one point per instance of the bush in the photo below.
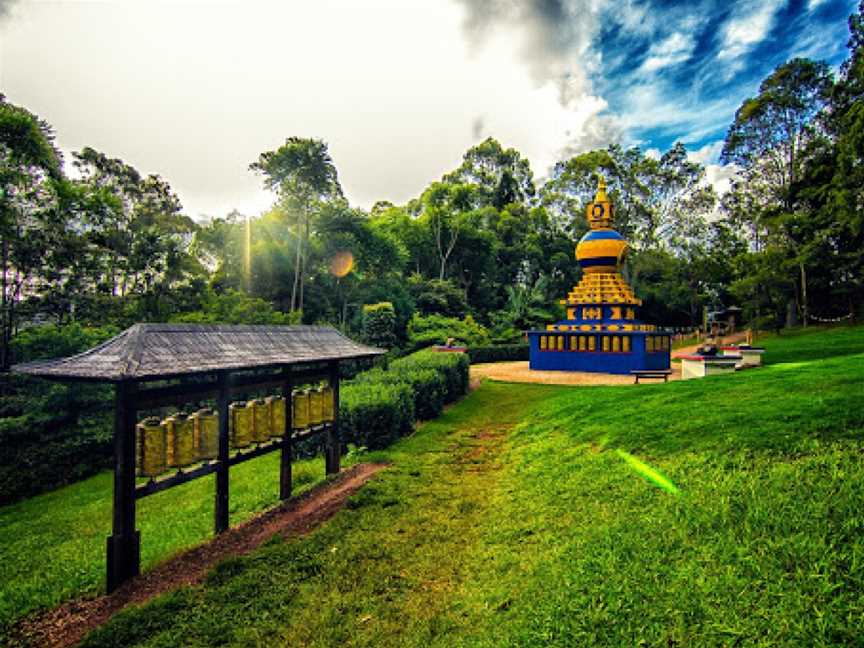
(428, 387)
(436, 329)
(379, 324)
(452, 366)
(52, 434)
(375, 414)
(498, 353)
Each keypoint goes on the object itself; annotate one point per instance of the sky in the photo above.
(399, 89)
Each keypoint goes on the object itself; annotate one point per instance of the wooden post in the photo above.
(333, 441)
(124, 543)
(222, 481)
(287, 449)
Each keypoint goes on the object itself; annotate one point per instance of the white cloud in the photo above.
(748, 26)
(707, 154)
(653, 153)
(676, 48)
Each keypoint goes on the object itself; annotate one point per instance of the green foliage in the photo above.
(498, 353)
(514, 520)
(428, 386)
(379, 324)
(437, 329)
(437, 297)
(52, 434)
(234, 307)
(453, 366)
(374, 414)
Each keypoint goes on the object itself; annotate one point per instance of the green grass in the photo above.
(516, 519)
(52, 546)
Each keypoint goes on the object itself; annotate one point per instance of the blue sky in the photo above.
(194, 90)
(683, 76)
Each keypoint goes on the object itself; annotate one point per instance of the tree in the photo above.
(30, 168)
(769, 140)
(502, 176)
(302, 173)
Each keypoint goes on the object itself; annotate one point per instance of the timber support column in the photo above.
(334, 442)
(222, 481)
(124, 543)
(285, 482)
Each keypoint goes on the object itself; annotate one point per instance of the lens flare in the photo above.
(342, 263)
(651, 474)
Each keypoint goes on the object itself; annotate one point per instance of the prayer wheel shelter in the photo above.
(156, 365)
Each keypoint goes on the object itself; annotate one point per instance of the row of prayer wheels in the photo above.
(182, 440)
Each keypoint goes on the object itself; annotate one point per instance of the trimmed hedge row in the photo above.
(380, 405)
(499, 353)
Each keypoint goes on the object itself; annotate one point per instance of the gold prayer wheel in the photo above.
(300, 404)
(316, 409)
(150, 447)
(327, 404)
(261, 420)
(276, 411)
(241, 424)
(181, 440)
(206, 424)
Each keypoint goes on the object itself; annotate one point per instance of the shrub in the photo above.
(452, 366)
(379, 324)
(436, 329)
(498, 353)
(375, 414)
(52, 434)
(428, 386)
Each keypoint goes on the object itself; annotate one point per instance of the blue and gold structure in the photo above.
(600, 332)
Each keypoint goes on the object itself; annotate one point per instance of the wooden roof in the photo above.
(153, 351)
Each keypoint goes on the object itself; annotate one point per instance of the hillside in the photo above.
(515, 518)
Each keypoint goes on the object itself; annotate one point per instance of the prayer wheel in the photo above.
(206, 434)
(327, 404)
(276, 411)
(241, 424)
(261, 420)
(150, 446)
(181, 440)
(300, 403)
(316, 409)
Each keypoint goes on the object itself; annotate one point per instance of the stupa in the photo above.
(601, 332)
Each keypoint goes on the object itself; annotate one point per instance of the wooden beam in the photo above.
(285, 475)
(157, 486)
(220, 515)
(332, 448)
(124, 543)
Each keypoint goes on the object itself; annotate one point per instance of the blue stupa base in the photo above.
(562, 353)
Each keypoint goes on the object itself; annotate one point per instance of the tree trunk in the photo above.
(804, 311)
(296, 275)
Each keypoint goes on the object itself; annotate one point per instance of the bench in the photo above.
(651, 373)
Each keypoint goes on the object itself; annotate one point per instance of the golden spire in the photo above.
(599, 211)
(600, 196)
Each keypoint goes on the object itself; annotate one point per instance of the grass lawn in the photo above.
(52, 547)
(517, 519)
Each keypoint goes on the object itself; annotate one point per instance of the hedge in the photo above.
(452, 365)
(380, 405)
(498, 353)
(428, 387)
(374, 415)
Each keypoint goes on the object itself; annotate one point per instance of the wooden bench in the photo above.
(651, 373)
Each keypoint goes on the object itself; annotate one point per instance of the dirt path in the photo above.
(67, 624)
(519, 371)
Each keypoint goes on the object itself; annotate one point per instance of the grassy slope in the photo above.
(52, 546)
(547, 537)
